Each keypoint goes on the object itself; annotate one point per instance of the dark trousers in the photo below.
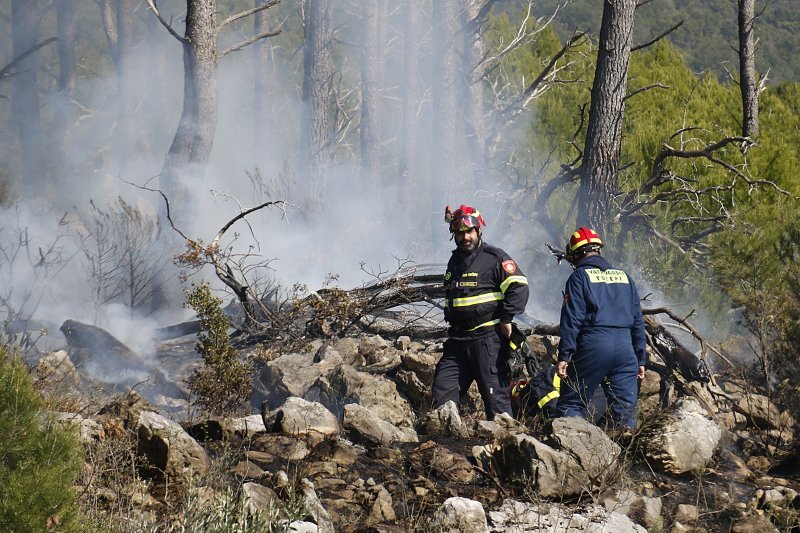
(484, 360)
(602, 353)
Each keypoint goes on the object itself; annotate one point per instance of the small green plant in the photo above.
(224, 382)
(38, 459)
(225, 513)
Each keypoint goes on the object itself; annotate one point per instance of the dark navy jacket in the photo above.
(482, 289)
(599, 296)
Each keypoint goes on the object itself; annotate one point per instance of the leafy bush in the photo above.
(223, 383)
(38, 459)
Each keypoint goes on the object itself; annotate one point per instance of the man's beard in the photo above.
(468, 247)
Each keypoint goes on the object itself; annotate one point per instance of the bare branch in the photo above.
(246, 13)
(647, 88)
(248, 42)
(167, 25)
(5, 71)
(658, 38)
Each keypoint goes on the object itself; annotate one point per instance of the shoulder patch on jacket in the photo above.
(509, 266)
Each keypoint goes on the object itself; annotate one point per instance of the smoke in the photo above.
(361, 231)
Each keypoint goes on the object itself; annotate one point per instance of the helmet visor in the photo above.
(464, 223)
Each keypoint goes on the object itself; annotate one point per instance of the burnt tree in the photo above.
(317, 96)
(598, 175)
(372, 61)
(188, 154)
(445, 102)
(63, 114)
(409, 167)
(25, 95)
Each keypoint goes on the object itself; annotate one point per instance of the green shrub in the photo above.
(38, 459)
(223, 383)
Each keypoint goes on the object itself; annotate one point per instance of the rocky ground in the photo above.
(341, 438)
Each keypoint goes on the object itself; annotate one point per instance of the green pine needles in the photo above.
(223, 383)
(39, 460)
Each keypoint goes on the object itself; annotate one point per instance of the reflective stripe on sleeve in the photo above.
(490, 323)
(522, 280)
(475, 300)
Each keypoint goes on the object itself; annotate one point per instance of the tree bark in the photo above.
(472, 96)
(264, 85)
(25, 97)
(445, 110)
(409, 166)
(372, 61)
(599, 179)
(188, 155)
(317, 97)
(748, 79)
(126, 95)
(63, 109)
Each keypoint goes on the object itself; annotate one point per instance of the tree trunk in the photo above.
(188, 155)
(25, 97)
(317, 97)
(64, 115)
(372, 61)
(604, 133)
(264, 100)
(748, 80)
(445, 110)
(126, 95)
(474, 119)
(409, 134)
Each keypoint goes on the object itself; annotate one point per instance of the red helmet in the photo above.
(582, 241)
(463, 219)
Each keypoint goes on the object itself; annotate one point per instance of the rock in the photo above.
(258, 497)
(224, 428)
(89, 430)
(433, 458)
(368, 426)
(292, 375)
(761, 413)
(555, 518)
(686, 513)
(641, 509)
(101, 356)
(423, 364)
(55, 371)
(127, 407)
(375, 392)
(274, 448)
(299, 417)
(380, 509)
(246, 470)
(461, 514)
(445, 420)
(776, 497)
(168, 448)
(683, 440)
(415, 390)
(753, 524)
(321, 516)
(553, 473)
(595, 452)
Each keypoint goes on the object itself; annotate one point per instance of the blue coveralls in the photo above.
(602, 336)
(482, 289)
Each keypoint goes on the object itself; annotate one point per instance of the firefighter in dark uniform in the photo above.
(602, 334)
(484, 290)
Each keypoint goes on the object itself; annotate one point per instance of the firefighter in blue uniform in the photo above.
(602, 334)
(484, 290)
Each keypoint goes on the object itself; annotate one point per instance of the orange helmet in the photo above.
(584, 240)
(463, 219)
